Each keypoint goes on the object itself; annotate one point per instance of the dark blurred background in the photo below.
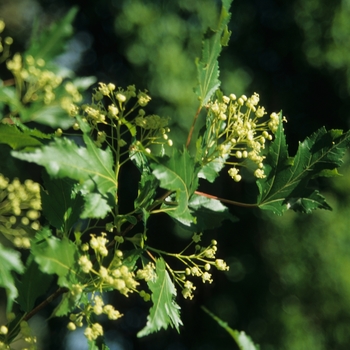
(288, 285)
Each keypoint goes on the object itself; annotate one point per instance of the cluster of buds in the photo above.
(20, 206)
(4, 44)
(116, 276)
(108, 107)
(37, 83)
(198, 265)
(238, 130)
(96, 307)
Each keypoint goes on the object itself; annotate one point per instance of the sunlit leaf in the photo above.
(241, 338)
(208, 66)
(17, 139)
(10, 261)
(178, 173)
(91, 166)
(59, 257)
(164, 311)
(286, 185)
(209, 213)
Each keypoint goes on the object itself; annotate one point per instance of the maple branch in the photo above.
(46, 302)
(192, 127)
(228, 201)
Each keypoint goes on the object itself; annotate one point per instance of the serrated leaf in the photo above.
(91, 166)
(51, 41)
(179, 174)
(17, 139)
(59, 257)
(164, 311)
(9, 96)
(286, 183)
(10, 261)
(61, 203)
(52, 115)
(207, 66)
(147, 189)
(241, 338)
(209, 213)
(32, 284)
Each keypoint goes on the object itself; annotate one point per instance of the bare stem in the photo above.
(228, 201)
(192, 127)
(46, 302)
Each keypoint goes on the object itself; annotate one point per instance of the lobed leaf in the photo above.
(32, 284)
(241, 338)
(51, 41)
(10, 261)
(11, 135)
(208, 66)
(61, 202)
(164, 311)
(91, 166)
(178, 173)
(286, 185)
(59, 257)
(209, 213)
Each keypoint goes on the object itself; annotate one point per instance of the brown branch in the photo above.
(46, 302)
(192, 127)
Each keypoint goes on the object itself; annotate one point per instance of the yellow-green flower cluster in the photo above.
(20, 206)
(93, 308)
(197, 265)
(4, 44)
(116, 276)
(35, 82)
(109, 107)
(238, 131)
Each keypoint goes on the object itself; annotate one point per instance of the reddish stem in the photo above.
(228, 201)
(192, 127)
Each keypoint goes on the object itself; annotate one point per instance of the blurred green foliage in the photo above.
(296, 54)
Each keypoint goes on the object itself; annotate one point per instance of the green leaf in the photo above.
(179, 174)
(55, 256)
(207, 66)
(33, 283)
(164, 311)
(9, 96)
(209, 213)
(91, 166)
(51, 42)
(61, 202)
(286, 183)
(242, 340)
(17, 139)
(52, 115)
(10, 260)
(147, 190)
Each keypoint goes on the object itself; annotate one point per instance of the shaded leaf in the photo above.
(208, 66)
(179, 174)
(33, 283)
(61, 203)
(10, 261)
(164, 311)
(286, 185)
(51, 41)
